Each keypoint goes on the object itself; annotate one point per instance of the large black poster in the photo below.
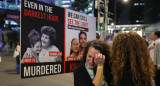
(42, 39)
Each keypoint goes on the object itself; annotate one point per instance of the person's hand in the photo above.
(99, 59)
(158, 67)
(151, 47)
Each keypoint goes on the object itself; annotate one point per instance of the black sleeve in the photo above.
(81, 77)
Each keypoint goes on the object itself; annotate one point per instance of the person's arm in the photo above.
(99, 60)
(157, 55)
(151, 47)
(97, 81)
(28, 53)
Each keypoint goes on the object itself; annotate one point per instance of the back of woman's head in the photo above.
(34, 37)
(129, 52)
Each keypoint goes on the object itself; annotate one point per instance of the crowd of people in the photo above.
(129, 61)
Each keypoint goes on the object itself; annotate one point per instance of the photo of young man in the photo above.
(82, 42)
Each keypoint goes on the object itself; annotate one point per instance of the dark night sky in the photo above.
(152, 11)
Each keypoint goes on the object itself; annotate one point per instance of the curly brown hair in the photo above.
(50, 31)
(104, 48)
(129, 52)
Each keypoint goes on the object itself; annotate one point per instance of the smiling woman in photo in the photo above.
(74, 50)
(48, 38)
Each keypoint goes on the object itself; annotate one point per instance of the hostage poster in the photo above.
(42, 39)
(80, 28)
(51, 36)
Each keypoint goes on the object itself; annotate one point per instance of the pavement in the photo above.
(9, 77)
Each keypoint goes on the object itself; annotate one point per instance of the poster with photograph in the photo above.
(80, 28)
(42, 39)
(53, 39)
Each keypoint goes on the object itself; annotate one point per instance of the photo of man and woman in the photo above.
(77, 47)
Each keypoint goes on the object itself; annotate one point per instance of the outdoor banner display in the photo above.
(46, 35)
(80, 28)
(42, 39)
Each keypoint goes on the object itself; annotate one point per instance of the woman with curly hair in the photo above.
(130, 60)
(95, 70)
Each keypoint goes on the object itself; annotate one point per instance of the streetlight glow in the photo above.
(125, 0)
(112, 23)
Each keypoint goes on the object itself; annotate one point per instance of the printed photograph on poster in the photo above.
(42, 48)
(77, 47)
(74, 51)
(80, 28)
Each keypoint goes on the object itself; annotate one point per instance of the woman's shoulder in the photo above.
(28, 53)
(53, 48)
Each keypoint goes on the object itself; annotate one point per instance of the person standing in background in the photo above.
(144, 38)
(157, 56)
(98, 36)
(151, 46)
(16, 55)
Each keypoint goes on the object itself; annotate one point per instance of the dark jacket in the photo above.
(81, 77)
